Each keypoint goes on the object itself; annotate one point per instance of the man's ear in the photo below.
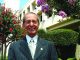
(24, 31)
(22, 25)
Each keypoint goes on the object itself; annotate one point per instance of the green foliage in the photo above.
(18, 31)
(43, 34)
(3, 58)
(71, 59)
(61, 36)
(64, 36)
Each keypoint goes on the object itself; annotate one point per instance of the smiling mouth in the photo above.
(32, 29)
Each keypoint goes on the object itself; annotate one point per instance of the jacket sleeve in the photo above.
(11, 54)
(53, 52)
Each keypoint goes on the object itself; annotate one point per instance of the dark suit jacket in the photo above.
(20, 51)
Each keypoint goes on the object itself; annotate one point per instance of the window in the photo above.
(28, 9)
(24, 12)
(20, 16)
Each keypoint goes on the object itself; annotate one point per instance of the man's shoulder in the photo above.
(15, 43)
(46, 41)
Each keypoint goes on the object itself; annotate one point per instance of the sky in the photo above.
(23, 2)
(1, 1)
(16, 4)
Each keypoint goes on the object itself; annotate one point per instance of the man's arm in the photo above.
(53, 52)
(11, 54)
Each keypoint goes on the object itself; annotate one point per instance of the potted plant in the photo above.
(65, 41)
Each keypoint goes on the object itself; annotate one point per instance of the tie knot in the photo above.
(31, 40)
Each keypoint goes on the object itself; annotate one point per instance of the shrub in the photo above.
(64, 36)
(60, 36)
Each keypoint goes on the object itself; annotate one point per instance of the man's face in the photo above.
(31, 24)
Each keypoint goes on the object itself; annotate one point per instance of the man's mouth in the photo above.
(31, 29)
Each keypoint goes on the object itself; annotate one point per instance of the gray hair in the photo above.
(30, 13)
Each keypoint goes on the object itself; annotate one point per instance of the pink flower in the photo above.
(0, 23)
(45, 8)
(10, 29)
(41, 2)
(13, 16)
(62, 13)
(14, 22)
(3, 13)
(0, 18)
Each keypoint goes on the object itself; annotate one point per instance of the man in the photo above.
(32, 47)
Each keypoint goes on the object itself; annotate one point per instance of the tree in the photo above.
(9, 28)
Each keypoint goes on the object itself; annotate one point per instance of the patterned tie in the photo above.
(32, 47)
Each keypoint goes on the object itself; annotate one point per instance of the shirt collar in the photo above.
(29, 38)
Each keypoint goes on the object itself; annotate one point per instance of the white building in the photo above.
(31, 6)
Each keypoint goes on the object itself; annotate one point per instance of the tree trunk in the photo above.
(2, 53)
(5, 51)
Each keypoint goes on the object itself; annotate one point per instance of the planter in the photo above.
(66, 51)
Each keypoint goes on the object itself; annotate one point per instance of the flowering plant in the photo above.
(70, 7)
(10, 30)
(7, 22)
(62, 13)
(44, 7)
(41, 2)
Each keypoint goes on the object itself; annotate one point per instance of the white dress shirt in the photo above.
(32, 42)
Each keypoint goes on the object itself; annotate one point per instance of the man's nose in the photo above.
(31, 23)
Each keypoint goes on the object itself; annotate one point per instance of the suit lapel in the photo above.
(25, 49)
(39, 49)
